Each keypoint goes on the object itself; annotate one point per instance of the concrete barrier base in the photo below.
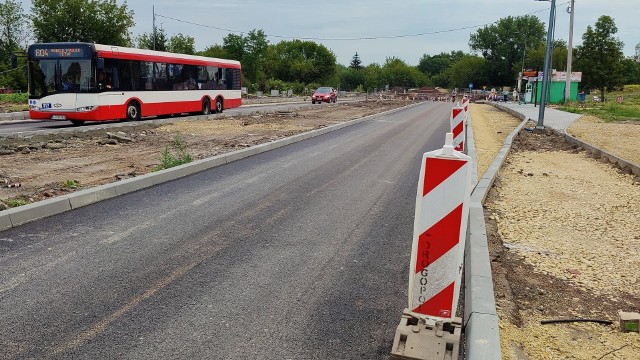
(417, 340)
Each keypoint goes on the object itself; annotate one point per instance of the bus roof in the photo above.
(119, 52)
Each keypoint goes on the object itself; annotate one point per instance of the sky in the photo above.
(445, 24)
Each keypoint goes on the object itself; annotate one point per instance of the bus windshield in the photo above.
(50, 76)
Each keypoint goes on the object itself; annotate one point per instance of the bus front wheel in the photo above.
(133, 111)
(206, 107)
(219, 106)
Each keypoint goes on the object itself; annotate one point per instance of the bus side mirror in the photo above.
(14, 61)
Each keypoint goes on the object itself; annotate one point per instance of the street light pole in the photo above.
(153, 8)
(547, 66)
(567, 86)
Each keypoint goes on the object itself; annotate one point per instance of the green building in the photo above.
(533, 89)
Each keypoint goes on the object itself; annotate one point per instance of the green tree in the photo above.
(233, 45)
(631, 71)
(250, 50)
(356, 63)
(302, 61)
(503, 43)
(373, 77)
(535, 57)
(350, 78)
(397, 73)
(214, 51)
(469, 69)
(146, 40)
(436, 64)
(600, 56)
(182, 44)
(12, 34)
(255, 50)
(99, 21)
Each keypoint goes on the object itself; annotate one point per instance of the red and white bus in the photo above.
(82, 81)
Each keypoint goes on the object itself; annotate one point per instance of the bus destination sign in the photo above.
(67, 52)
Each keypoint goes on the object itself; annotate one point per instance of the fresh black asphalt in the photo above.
(297, 253)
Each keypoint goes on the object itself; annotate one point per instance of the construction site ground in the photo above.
(43, 166)
(563, 227)
(564, 237)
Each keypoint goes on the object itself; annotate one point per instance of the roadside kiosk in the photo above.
(533, 86)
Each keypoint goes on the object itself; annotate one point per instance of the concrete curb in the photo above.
(19, 115)
(24, 214)
(482, 336)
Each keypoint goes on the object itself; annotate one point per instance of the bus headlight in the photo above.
(85, 108)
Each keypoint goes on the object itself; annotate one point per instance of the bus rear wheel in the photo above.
(219, 106)
(133, 111)
(206, 107)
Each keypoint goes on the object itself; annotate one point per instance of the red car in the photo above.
(324, 94)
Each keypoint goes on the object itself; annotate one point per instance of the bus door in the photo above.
(109, 83)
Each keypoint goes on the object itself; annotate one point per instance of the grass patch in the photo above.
(174, 154)
(15, 202)
(628, 110)
(71, 184)
(22, 98)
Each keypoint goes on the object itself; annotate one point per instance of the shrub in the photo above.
(16, 202)
(71, 184)
(178, 154)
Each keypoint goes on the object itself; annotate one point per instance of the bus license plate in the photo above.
(58, 117)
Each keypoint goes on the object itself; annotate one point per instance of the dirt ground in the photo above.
(621, 138)
(11, 107)
(52, 165)
(564, 238)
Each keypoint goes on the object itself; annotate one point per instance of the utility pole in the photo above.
(567, 87)
(153, 8)
(547, 67)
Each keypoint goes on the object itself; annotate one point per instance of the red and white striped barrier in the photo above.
(465, 106)
(439, 233)
(457, 127)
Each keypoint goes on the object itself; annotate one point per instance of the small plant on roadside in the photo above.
(71, 184)
(15, 202)
(174, 154)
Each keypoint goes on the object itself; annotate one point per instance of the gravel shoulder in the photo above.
(621, 138)
(564, 238)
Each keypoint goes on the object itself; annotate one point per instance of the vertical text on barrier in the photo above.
(465, 106)
(439, 234)
(457, 127)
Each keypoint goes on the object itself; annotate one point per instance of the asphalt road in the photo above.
(18, 126)
(297, 253)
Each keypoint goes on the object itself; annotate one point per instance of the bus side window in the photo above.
(135, 76)
(203, 77)
(160, 75)
(237, 80)
(146, 75)
(212, 72)
(229, 79)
